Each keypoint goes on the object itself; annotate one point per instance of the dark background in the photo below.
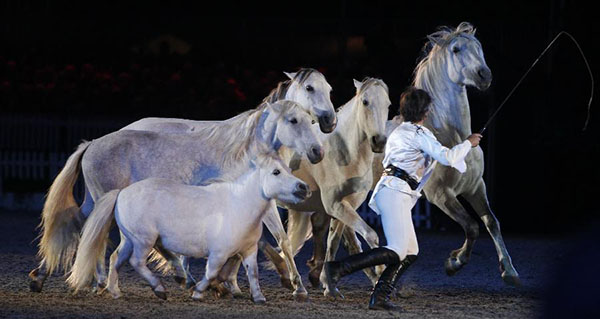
(104, 61)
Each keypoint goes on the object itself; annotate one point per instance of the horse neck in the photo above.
(450, 117)
(247, 189)
(348, 128)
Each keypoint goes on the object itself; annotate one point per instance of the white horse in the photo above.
(341, 182)
(455, 60)
(188, 220)
(121, 158)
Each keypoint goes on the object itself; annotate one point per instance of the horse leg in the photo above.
(213, 267)
(279, 262)
(252, 273)
(182, 276)
(336, 229)
(138, 261)
(455, 210)
(117, 259)
(228, 274)
(353, 246)
(345, 213)
(320, 225)
(479, 202)
(273, 223)
(298, 229)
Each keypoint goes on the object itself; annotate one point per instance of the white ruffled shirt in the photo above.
(415, 149)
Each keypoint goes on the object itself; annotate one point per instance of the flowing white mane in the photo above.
(237, 134)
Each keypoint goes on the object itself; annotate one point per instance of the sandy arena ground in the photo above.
(475, 292)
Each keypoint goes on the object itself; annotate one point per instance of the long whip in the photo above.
(531, 67)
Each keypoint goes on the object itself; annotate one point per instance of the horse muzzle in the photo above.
(315, 154)
(327, 122)
(302, 191)
(484, 78)
(378, 143)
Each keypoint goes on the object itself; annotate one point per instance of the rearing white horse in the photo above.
(455, 60)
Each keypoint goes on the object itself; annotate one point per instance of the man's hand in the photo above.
(474, 139)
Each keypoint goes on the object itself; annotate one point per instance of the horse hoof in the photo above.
(452, 266)
(35, 286)
(333, 294)
(196, 295)
(116, 294)
(221, 291)
(260, 300)
(287, 283)
(301, 297)
(160, 294)
(511, 279)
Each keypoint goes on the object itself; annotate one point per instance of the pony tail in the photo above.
(94, 238)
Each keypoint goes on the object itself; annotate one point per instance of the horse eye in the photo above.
(313, 122)
(309, 88)
(294, 121)
(456, 49)
(365, 103)
(276, 172)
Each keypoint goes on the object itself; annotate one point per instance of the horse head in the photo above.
(290, 125)
(277, 181)
(310, 88)
(373, 107)
(461, 54)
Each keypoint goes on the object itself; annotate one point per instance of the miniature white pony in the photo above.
(188, 220)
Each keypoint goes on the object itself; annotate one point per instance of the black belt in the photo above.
(392, 170)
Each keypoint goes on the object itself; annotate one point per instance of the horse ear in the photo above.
(435, 40)
(357, 84)
(290, 75)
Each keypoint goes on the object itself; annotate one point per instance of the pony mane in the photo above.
(237, 134)
(234, 135)
(278, 93)
(444, 35)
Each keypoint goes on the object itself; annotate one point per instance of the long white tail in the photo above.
(60, 224)
(92, 245)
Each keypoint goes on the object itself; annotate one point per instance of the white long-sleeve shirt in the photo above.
(415, 149)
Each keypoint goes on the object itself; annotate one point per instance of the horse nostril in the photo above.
(302, 187)
(484, 74)
(316, 151)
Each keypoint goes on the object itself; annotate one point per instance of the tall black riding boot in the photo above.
(337, 269)
(380, 298)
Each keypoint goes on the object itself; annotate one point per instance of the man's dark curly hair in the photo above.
(414, 104)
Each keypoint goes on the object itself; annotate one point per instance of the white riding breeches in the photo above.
(395, 209)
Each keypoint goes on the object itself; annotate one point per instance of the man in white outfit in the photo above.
(411, 153)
